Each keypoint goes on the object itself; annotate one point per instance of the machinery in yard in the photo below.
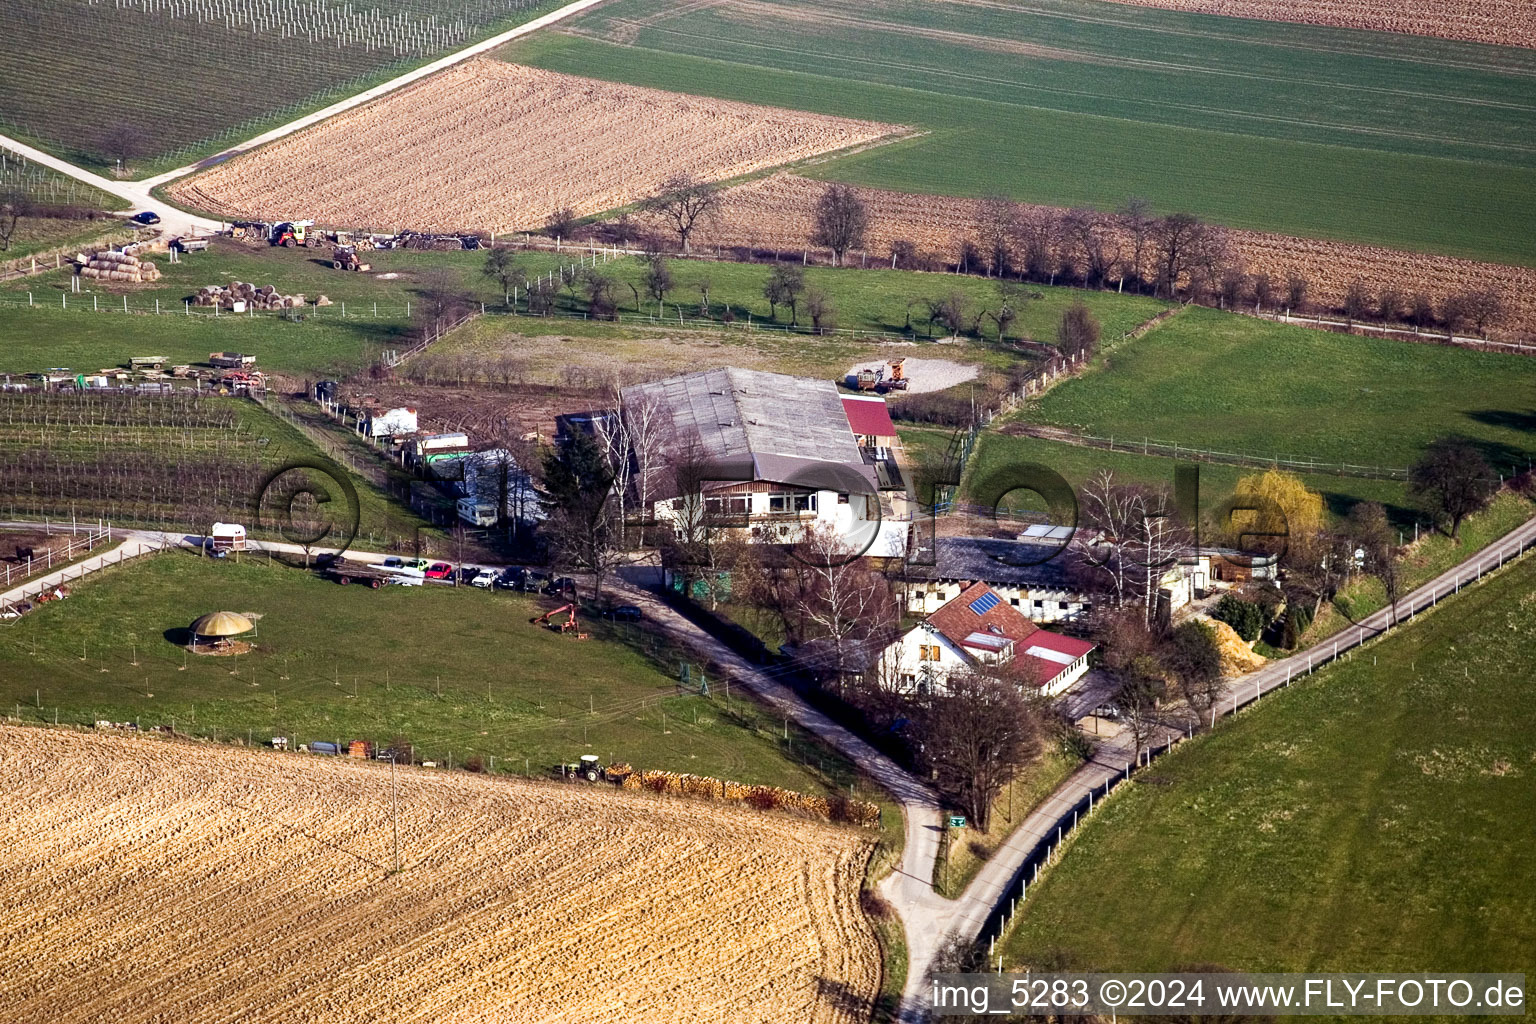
(290, 233)
(568, 626)
(344, 257)
(591, 769)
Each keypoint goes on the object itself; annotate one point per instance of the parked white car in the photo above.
(483, 579)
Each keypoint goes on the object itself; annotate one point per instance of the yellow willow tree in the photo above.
(1284, 506)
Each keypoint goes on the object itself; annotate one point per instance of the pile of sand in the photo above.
(1237, 658)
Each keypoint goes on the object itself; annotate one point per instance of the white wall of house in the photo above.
(783, 512)
(1072, 670)
(1038, 604)
(921, 659)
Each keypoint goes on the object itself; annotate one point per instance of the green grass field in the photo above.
(456, 671)
(1235, 384)
(994, 452)
(1305, 130)
(1373, 818)
(85, 341)
(188, 87)
(337, 340)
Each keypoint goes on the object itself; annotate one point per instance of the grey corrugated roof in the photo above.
(991, 560)
(784, 427)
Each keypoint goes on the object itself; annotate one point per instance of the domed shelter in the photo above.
(217, 630)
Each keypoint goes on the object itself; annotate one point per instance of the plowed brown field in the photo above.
(159, 881)
(1506, 22)
(492, 146)
(775, 211)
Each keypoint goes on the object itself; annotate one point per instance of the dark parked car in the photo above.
(534, 581)
(561, 585)
(147, 217)
(623, 613)
(511, 579)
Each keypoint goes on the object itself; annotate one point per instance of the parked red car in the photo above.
(439, 571)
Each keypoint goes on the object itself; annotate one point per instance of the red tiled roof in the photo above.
(868, 416)
(956, 620)
(1070, 646)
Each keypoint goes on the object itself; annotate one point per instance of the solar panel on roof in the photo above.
(985, 603)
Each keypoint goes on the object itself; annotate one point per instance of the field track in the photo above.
(775, 211)
(1503, 22)
(495, 146)
(150, 880)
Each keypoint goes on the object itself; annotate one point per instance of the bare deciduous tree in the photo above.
(658, 278)
(1263, 291)
(1095, 244)
(1296, 288)
(997, 219)
(562, 222)
(1077, 335)
(600, 289)
(785, 284)
(15, 205)
(501, 267)
(1130, 537)
(975, 735)
(821, 311)
(1039, 242)
(836, 599)
(1193, 657)
(1173, 239)
(1453, 480)
(1136, 218)
(124, 143)
(840, 220)
(684, 201)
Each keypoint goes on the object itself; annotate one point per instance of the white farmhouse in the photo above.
(980, 629)
(778, 454)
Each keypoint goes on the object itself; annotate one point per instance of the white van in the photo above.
(477, 513)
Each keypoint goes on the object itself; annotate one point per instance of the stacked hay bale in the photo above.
(263, 297)
(120, 267)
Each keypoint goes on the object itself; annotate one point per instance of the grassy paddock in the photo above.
(1371, 818)
(1077, 464)
(1224, 382)
(457, 671)
(1077, 106)
(370, 314)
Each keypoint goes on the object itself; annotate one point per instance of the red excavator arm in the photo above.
(543, 620)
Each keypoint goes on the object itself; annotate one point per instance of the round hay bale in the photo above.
(322, 301)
